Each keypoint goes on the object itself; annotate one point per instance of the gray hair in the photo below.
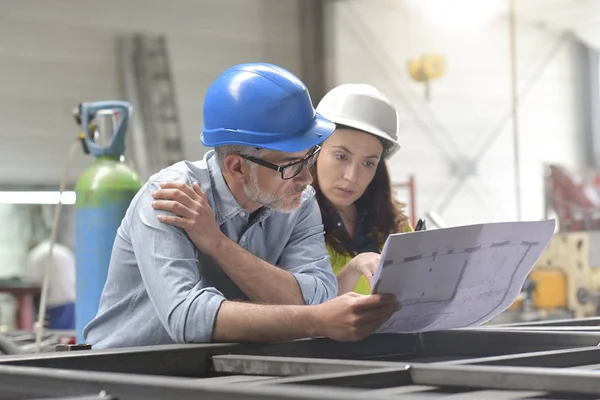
(223, 151)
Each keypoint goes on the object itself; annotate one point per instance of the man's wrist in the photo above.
(219, 245)
(310, 321)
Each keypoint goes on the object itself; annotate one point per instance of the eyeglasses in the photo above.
(288, 171)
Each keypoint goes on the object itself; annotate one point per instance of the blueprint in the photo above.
(460, 276)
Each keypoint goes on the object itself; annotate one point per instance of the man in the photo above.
(236, 252)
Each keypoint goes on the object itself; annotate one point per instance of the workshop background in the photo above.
(488, 98)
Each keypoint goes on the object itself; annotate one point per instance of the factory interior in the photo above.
(498, 120)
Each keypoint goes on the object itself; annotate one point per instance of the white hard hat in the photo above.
(363, 107)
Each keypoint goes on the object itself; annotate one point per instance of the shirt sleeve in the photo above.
(306, 257)
(168, 264)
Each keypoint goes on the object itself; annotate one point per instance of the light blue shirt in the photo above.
(161, 289)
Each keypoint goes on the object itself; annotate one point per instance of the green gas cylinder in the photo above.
(104, 192)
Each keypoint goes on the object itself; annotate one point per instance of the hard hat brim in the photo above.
(319, 130)
(392, 147)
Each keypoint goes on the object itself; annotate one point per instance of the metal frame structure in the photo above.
(412, 197)
(312, 42)
(556, 359)
(462, 162)
(147, 81)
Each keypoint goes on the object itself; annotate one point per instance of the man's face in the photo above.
(265, 186)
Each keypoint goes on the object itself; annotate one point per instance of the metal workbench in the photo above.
(545, 360)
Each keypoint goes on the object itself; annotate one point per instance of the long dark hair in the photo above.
(386, 213)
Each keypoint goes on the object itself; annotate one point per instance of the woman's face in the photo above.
(346, 165)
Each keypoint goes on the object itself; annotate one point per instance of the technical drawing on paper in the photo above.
(458, 277)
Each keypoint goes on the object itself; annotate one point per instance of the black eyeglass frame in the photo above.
(282, 168)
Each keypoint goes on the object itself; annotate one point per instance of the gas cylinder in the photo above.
(104, 192)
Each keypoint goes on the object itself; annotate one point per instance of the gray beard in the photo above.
(254, 193)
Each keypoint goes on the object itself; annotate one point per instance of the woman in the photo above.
(352, 182)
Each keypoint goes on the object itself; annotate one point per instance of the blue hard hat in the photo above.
(262, 105)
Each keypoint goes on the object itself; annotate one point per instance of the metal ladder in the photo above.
(156, 139)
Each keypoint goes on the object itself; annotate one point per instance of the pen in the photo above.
(420, 225)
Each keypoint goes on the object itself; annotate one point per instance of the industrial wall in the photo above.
(458, 144)
(465, 126)
(55, 54)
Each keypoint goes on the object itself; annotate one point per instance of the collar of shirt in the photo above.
(362, 215)
(225, 204)
(361, 242)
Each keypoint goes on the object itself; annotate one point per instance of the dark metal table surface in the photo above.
(554, 360)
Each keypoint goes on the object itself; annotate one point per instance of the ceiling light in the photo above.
(22, 197)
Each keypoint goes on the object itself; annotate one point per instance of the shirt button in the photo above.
(242, 214)
(339, 224)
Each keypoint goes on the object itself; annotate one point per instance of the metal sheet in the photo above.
(553, 359)
(369, 379)
(412, 392)
(31, 382)
(592, 321)
(508, 378)
(429, 392)
(467, 378)
(190, 360)
(170, 360)
(497, 395)
(466, 346)
(589, 366)
(433, 346)
(234, 379)
(90, 397)
(489, 342)
(487, 377)
(288, 366)
(372, 347)
(469, 363)
(558, 328)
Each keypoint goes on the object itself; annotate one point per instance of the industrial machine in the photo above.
(104, 192)
(567, 277)
(566, 280)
